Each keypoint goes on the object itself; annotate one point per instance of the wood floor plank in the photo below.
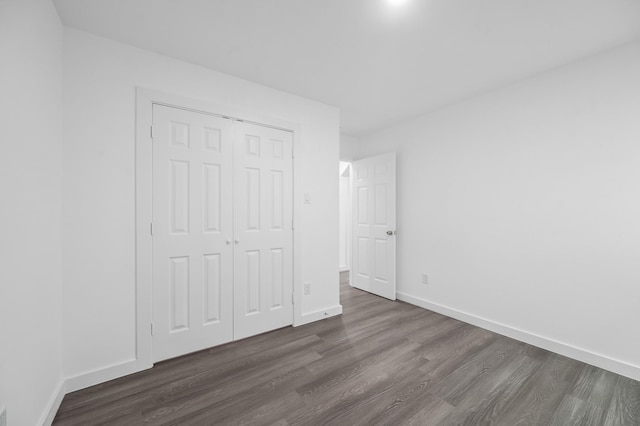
(385, 324)
(624, 408)
(380, 363)
(594, 385)
(358, 373)
(441, 326)
(431, 411)
(272, 413)
(218, 402)
(487, 398)
(455, 340)
(409, 404)
(332, 380)
(537, 400)
(243, 369)
(575, 411)
(454, 387)
(362, 399)
(344, 356)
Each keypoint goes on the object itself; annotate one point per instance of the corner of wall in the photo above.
(349, 148)
(54, 403)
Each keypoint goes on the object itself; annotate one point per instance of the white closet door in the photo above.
(374, 224)
(263, 229)
(192, 231)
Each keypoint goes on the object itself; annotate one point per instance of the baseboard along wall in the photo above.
(318, 315)
(580, 354)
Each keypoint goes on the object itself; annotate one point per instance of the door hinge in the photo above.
(151, 228)
(292, 302)
(151, 132)
(292, 227)
(152, 329)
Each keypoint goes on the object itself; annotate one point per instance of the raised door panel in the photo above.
(212, 300)
(179, 202)
(212, 202)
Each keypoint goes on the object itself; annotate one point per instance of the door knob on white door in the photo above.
(237, 241)
(391, 232)
(228, 242)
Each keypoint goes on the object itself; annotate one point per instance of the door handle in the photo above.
(390, 233)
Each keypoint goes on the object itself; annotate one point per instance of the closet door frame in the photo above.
(145, 99)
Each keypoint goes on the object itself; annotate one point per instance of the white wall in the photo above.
(30, 190)
(98, 252)
(523, 207)
(349, 148)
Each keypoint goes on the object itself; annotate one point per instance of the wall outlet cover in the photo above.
(307, 288)
(425, 279)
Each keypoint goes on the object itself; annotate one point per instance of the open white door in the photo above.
(374, 225)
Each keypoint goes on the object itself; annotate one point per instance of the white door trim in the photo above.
(345, 215)
(145, 98)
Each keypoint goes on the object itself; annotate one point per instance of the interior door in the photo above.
(192, 231)
(263, 242)
(374, 224)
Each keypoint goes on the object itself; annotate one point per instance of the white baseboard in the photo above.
(95, 377)
(86, 380)
(54, 404)
(102, 375)
(602, 361)
(318, 315)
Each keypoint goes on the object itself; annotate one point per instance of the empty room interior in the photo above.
(320, 212)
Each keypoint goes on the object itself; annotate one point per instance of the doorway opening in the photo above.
(345, 221)
(368, 224)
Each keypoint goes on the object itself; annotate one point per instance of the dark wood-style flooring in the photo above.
(381, 362)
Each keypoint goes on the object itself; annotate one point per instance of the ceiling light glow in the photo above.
(396, 3)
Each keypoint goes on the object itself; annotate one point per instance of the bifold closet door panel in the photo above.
(192, 231)
(263, 219)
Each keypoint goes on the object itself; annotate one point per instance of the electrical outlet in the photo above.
(425, 279)
(307, 288)
(3, 417)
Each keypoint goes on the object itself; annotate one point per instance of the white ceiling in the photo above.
(378, 63)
